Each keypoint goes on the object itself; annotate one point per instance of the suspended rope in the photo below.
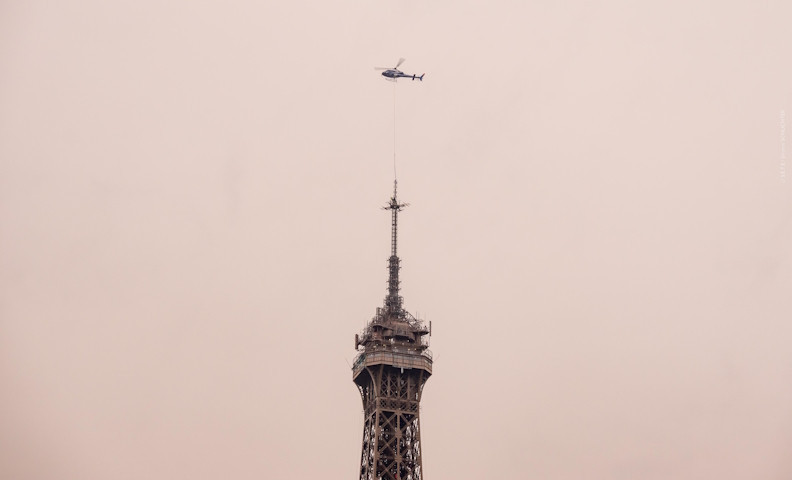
(394, 130)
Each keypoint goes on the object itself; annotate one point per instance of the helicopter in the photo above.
(391, 74)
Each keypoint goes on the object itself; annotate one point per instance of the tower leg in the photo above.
(391, 447)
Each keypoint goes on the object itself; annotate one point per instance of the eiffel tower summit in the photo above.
(390, 371)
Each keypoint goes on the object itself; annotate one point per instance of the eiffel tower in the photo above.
(390, 371)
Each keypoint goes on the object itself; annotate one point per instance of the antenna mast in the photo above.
(393, 301)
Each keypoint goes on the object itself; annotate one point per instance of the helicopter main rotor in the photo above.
(401, 60)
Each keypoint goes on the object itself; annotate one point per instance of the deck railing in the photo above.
(392, 355)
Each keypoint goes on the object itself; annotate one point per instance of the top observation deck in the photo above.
(393, 338)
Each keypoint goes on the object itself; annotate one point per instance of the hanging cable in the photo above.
(394, 130)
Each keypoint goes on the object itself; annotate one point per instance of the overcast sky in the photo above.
(600, 231)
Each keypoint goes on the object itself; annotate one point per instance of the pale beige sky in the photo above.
(599, 230)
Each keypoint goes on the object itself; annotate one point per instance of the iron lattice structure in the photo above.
(390, 371)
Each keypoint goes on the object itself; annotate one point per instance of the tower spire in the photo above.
(393, 302)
